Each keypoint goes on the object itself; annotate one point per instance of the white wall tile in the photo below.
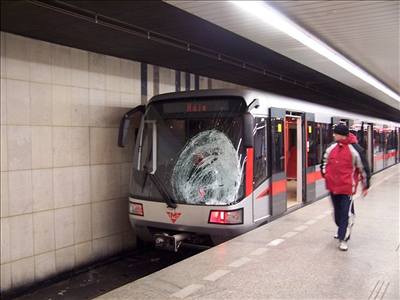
(4, 203)
(112, 73)
(80, 145)
(62, 189)
(203, 82)
(19, 147)
(167, 80)
(61, 105)
(3, 101)
(41, 104)
(3, 54)
(64, 227)
(61, 64)
(101, 219)
(65, 259)
(83, 253)
(192, 85)
(113, 112)
(125, 176)
(43, 231)
(23, 272)
(130, 101)
(42, 147)
(97, 103)
(5, 246)
(42, 181)
(21, 236)
(62, 147)
(183, 81)
(5, 277)
(18, 102)
(40, 61)
(130, 76)
(79, 106)
(105, 182)
(107, 246)
(103, 146)
(83, 229)
(108, 217)
(45, 265)
(97, 69)
(81, 185)
(99, 139)
(79, 68)
(20, 192)
(17, 66)
(3, 149)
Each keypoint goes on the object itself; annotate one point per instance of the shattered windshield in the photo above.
(199, 156)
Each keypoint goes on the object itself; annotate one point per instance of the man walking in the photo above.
(343, 165)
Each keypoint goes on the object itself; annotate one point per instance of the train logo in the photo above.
(173, 216)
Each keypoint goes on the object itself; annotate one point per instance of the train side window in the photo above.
(378, 141)
(391, 140)
(312, 144)
(277, 155)
(327, 136)
(260, 151)
(319, 142)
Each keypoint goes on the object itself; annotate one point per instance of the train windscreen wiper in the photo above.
(160, 187)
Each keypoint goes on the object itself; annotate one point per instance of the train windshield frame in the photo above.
(190, 151)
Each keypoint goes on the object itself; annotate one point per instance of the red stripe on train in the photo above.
(384, 156)
(277, 187)
(249, 171)
(313, 177)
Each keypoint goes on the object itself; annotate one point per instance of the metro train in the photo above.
(212, 164)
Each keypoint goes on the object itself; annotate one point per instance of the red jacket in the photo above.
(344, 165)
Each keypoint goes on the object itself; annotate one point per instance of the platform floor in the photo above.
(294, 257)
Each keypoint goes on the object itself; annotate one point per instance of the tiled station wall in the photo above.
(64, 181)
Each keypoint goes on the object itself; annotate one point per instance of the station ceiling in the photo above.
(159, 33)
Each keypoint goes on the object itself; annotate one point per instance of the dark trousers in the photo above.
(342, 205)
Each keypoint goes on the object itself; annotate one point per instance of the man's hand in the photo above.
(364, 193)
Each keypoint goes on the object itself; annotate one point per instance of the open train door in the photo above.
(294, 141)
(277, 189)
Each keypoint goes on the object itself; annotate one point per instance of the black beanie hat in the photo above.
(341, 129)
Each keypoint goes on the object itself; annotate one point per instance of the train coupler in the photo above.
(169, 242)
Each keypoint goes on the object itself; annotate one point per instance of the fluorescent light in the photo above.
(272, 17)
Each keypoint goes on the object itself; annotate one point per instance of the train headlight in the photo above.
(136, 208)
(226, 217)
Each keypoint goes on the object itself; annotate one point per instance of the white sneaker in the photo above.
(336, 236)
(343, 246)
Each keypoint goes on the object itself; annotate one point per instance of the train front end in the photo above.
(190, 180)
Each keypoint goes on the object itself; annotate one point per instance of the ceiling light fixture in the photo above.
(272, 17)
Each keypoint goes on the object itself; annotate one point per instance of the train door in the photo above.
(398, 145)
(384, 142)
(311, 159)
(277, 189)
(368, 144)
(293, 159)
(261, 185)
